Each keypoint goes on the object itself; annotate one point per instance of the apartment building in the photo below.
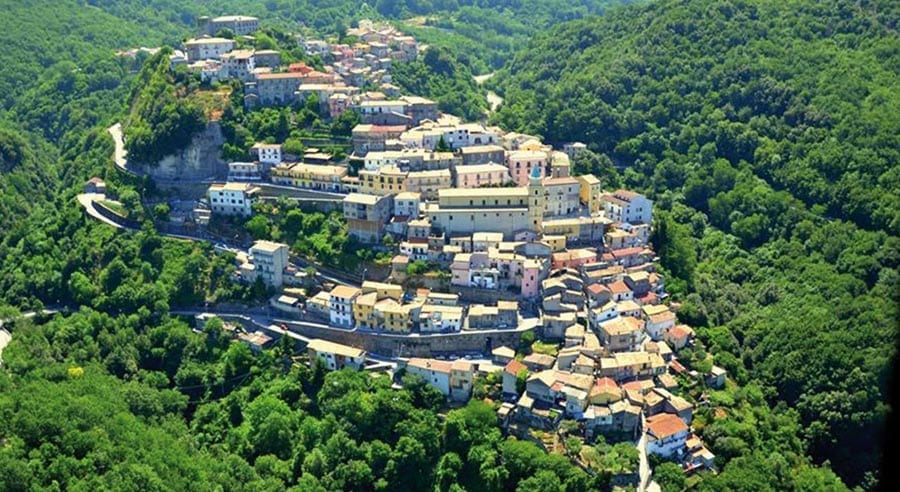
(207, 48)
(269, 260)
(366, 215)
(310, 176)
(481, 175)
(232, 198)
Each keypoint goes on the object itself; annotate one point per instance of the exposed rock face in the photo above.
(199, 161)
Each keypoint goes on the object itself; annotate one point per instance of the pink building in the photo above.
(573, 258)
(531, 278)
(521, 162)
(481, 175)
(495, 270)
(337, 104)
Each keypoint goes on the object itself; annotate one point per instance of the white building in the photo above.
(267, 153)
(207, 48)
(628, 207)
(238, 64)
(336, 356)
(238, 24)
(435, 372)
(435, 318)
(341, 305)
(666, 434)
(406, 204)
(232, 198)
(659, 320)
(269, 260)
(243, 171)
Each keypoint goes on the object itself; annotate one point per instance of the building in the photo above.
(243, 171)
(454, 135)
(420, 109)
(282, 88)
(310, 176)
(481, 175)
(573, 148)
(232, 198)
(659, 319)
(628, 207)
(411, 160)
(95, 185)
(666, 435)
(269, 260)
(621, 334)
(428, 183)
(466, 211)
(589, 192)
(238, 64)
(406, 204)
(504, 315)
(267, 58)
(240, 25)
(207, 48)
(521, 165)
(496, 270)
(341, 305)
(436, 318)
(336, 356)
(462, 375)
(267, 153)
(562, 196)
(382, 181)
(573, 258)
(511, 375)
(366, 215)
(630, 365)
(481, 154)
(435, 372)
(366, 138)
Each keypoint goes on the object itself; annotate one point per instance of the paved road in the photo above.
(120, 153)
(644, 467)
(87, 201)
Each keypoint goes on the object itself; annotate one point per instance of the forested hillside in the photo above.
(768, 133)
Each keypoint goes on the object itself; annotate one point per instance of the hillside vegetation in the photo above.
(164, 116)
(768, 132)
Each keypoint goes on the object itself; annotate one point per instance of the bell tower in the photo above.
(536, 200)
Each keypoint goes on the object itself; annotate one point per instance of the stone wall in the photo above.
(414, 345)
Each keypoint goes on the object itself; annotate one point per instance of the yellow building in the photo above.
(310, 176)
(387, 180)
(590, 192)
(392, 316)
(364, 310)
(383, 290)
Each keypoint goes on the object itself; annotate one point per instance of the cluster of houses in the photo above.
(380, 306)
(500, 214)
(347, 69)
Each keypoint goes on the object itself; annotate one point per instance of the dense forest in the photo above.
(768, 134)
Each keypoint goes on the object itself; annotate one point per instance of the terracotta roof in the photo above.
(680, 331)
(434, 365)
(597, 289)
(619, 287)
(664, 425)
(619, 253)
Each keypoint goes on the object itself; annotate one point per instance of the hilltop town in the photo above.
(506, 270)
